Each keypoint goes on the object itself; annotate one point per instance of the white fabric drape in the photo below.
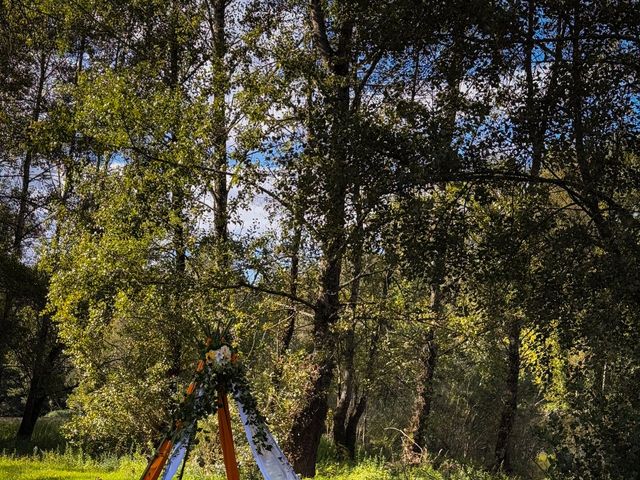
(178, 452)
(272, 463)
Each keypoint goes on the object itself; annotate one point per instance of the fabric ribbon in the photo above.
(271, 461)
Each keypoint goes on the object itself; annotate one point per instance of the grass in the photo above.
(72, 466)
(46, 458)
(54, 468)
(376, 470)
(46, 435)
(76, 466)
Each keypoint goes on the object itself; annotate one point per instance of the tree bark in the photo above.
(510, 406)
(351, 430)
(42, 369)
(220, 88)
(346, 400)
(21, 218)
(33, 407)
(424, 399)
(360, 405)
(429, 357)
(308, 423)
(533, 118)
(19, 233)
(415, 449)
(294, 270)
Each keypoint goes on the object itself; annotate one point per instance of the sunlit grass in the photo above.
(75, 466)
(47, 458)
(27, 468)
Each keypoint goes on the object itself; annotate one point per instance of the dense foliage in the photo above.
(418, 223)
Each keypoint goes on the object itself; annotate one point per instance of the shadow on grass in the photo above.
(46, 435)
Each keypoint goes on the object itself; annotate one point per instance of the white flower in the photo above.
(226, 352)
(219, 356)
(222, 355)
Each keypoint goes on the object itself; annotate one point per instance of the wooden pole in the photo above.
(157, 463)
(226, 437)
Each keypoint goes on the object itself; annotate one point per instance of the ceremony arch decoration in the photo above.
(218, 373)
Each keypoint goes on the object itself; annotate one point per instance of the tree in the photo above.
(450, 235)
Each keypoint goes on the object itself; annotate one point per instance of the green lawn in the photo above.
(41, 459)
(32, 469)
(51, 466)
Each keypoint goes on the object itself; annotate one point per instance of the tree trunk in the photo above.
(175, 325)
(510, 407)
(19, 233)
(351, 431)
(32, 410)
(292, 311)
(534, 120)
(294, 271)
(5, 328)
(220, 88)
(360, 406)
(429, 353)
(429, 357)
(308, 423)
(453, 73)
(424, 399)
(42, 368)
(589, 169)
(346, 400)
(177, 207)
(21, 218)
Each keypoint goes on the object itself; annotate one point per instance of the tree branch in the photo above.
(270, 291)
(320, 31)
(365, 78)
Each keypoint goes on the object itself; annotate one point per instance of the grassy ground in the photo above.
(46, 435)
(51, 466)
(45, 458)
(48, 468)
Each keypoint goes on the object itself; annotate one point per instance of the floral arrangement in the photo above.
(218, 372)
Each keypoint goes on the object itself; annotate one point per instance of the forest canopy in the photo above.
(417, 221)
